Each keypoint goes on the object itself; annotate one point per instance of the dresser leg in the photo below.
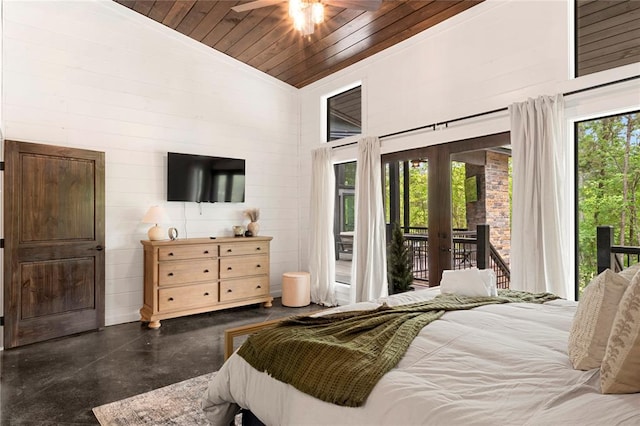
(267, 304)
(154, 324)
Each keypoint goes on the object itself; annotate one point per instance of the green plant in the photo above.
(399, 262)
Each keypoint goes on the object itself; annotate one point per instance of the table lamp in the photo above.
(155, 215)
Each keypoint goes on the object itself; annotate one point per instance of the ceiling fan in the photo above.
(307, 13)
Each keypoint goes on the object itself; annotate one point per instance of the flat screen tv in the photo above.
(204, 179)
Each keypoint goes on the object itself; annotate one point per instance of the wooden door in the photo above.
(54, 242)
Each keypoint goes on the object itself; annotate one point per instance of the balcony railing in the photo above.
(614, 256)
(465, 251)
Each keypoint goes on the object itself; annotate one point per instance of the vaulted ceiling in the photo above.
(265, 39)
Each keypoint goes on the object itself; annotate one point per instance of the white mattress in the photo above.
(498, 364)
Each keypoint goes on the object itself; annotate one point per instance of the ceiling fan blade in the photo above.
(368, 5)
(255, 5)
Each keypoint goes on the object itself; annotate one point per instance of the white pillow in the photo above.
(594, 317)
(471, 282)
(620, 370)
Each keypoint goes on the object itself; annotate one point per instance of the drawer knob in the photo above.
(170, 274)
(258, 266)
(206, 252)
(258, 248)
(229, 268)
(170, 254)
(259, 286)
(229, 251)
(171, 299)
(207, 293)
(229, 291)
(206, 271)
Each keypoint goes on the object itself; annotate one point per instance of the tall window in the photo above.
(608, 185)
(344, 219)
(606, 34)
(344, 114)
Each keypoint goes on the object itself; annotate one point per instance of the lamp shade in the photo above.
(155, 214)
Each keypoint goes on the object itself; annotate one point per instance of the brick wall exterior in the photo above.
(492, 206)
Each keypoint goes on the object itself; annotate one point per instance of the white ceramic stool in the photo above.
(296, 289)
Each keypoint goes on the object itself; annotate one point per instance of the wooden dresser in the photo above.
(194, 275)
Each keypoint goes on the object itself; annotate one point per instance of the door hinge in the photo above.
(1, 321)
(1, 243)
(1, 166)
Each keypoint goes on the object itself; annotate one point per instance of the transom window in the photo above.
(606, 34)
(344, 114)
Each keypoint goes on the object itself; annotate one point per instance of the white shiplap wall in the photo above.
(96, 75)
(494, 54)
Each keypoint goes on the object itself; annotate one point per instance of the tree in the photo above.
(399, 262)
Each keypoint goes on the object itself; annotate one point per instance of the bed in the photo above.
(503, 364)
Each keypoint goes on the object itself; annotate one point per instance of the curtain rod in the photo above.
(480, 114)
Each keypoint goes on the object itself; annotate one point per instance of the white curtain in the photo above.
(541, 240)
(369, 268)
(322, 260)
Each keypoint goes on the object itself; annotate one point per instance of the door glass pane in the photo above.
(418, 170)
(344, 219)
(406, 201)
(608, 176)
(481, 194)
(417, 212)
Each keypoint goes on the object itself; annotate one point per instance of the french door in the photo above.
(432, 168)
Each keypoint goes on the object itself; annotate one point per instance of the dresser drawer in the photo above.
(188, 252)
(243, 288)
(186, 271)
(231, 267)
(239, 249)
(176, 298)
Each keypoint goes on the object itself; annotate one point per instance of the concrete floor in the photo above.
(60, 381)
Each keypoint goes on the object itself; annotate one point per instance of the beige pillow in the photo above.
(593, 320)
(630, 272)
(620, 370)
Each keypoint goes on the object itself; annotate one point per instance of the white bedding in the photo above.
(498, 364)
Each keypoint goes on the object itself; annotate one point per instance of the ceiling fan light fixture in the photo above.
(307, 26)
(305, 15)
(317, 12)
(295, 6)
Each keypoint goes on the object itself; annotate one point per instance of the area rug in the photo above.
(176, 404)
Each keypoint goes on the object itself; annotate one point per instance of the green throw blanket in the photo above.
(340, 357)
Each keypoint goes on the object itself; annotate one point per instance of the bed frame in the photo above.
(232, 333)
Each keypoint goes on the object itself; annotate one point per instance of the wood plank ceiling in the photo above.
(265, 39)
